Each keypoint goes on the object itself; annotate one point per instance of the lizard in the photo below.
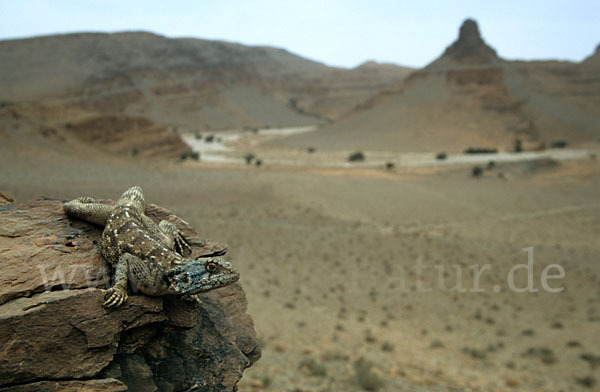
(151, 257)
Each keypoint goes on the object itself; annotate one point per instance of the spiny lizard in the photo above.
(152, 257)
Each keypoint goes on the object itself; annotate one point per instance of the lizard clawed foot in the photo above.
(192, 298)
(116, 296)
(182, 246)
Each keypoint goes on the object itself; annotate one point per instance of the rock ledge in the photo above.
(56, 336)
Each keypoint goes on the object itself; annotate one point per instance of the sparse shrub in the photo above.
(314, 368)
(441, 156)
(588, 381)
(390, 165)
(370, 337)
(518, 145)
(475, 353)
(209, 138)
(491, 165)
(594, 360)
(266, 380)
(195, 155)
(479, 150)
(477, 171)
(290, 305)
(198, 135)
(543, 353)
(258, 162)
(387, 347)
(365, 377)
(559, 144)
(436, 343)
(311, 150)
(135, 151)
(357, 156)
(249, 158)
(334, 356)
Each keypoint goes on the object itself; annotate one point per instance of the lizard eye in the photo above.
(211, 267)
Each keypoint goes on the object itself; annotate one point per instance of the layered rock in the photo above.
(55, 334)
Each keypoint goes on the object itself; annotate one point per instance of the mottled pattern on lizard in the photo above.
(151, 257)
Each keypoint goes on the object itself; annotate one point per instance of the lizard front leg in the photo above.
(117, 294)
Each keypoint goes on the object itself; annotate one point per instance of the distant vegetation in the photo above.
(357, 156)
(390, 165)
(441, 156)
(311, 150)
(365, 377)
(518, 145)
(559, 144)
(195, 155)
(249, 158)
(477, 171)
(479, 150)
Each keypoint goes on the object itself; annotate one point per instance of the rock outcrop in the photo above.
(56, 336)
(468, 50)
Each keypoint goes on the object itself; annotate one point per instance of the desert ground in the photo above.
(362, 278)
(401, 272)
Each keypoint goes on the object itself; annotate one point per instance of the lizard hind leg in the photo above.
(135, 197)
(174, 239)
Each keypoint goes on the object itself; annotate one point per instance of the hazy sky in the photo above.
(336, 32)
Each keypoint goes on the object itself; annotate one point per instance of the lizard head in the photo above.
(197, 276)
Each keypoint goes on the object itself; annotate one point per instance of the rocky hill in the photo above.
(470, 97)
(190, 83)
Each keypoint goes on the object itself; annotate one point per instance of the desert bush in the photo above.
(543, 353)
(311, 150)
(559, 144)
(491, 165)
(436, 343)
(198, 135)
(441, 156)
(588, 381)
(479, 150)
(475, 353)
(134, 151)
(518, 147)
(477, 171)
(258, 162)
(387, 347)
(209, 138)
(365, 377)
(390, 165)
(314, 368)
(195, 155)
(357, 156)
(249, 158)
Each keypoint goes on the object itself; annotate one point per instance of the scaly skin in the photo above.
(149, 256)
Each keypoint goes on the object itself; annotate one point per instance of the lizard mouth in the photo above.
(212, 283)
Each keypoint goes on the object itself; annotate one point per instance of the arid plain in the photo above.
(358, 276)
